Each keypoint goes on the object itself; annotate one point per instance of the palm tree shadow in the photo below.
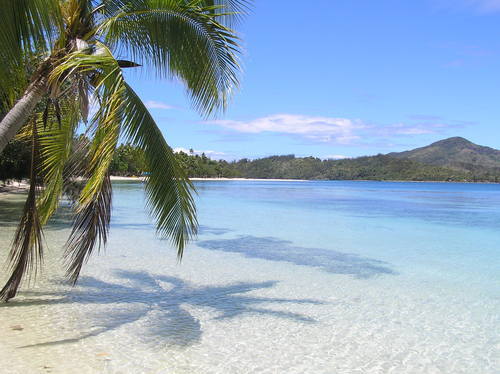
(159, 305)
(11, 209)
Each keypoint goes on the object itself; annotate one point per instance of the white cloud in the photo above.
(151, 104)
(322, 129)
(341, 131)
(406, 129)
(208, 153)
(335, 157)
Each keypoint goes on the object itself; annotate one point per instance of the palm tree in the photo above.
(59, 56)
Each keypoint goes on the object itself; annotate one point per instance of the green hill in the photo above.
(456, 153)
(380, 167)
(452, 159)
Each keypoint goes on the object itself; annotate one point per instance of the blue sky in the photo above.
(332, 78)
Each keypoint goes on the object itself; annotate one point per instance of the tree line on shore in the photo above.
(130, 161)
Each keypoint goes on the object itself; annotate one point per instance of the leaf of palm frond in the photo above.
(83, 95)
(27, 25)
(182, 39)
(168, 190)
(231, 11)
(27, 249)
(103, 145)
(90, 230)
(127, 64)
(75, 168)
(108, 85)
(55, 150)
(93, 209)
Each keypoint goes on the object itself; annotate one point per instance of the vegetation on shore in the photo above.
(129, 161)
(454, 159)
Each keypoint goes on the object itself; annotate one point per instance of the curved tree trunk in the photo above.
(20, 112)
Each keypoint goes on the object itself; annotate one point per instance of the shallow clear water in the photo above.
(285, 277)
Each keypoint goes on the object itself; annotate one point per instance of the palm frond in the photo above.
(29, 24)
(75, 167)
(168, 190)
(231, 11)
(27, 249)
(28, 27)
(90, 230)
(55, 151)
(179, 39)
(93, 208)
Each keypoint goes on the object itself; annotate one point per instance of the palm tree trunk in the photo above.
(20, 112)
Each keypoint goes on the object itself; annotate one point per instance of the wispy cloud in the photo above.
(425, 117)
(400, 129)
(322, 129)
(463, 54)
(151, 104)
(341, 131)
(484, 6)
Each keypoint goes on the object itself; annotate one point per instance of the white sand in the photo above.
(119, 178)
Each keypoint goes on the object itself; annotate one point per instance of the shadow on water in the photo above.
(157, 303)
(12, 209)
(212, 230)
(274, 249)
(202, 229)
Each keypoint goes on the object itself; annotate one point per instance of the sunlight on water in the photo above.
(313, 277)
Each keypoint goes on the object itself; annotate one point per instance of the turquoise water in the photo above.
(289, 277)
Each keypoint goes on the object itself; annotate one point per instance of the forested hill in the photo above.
(453, 159)
(380, 167)
(456, 153)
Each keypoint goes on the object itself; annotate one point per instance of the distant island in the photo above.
(454, 159)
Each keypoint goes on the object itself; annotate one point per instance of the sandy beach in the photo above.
(119, 178)
(14, 187)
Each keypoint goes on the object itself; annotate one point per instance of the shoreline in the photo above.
(23, 186)
(197, 179)
(120, 178)
(14, 187)
(250, 179)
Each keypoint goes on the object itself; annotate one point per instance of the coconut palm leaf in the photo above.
(27, 250)
(28, 30)
(93, 208)
(28, 25)
(168, 190)
(179, 39)
(231, 11)
(90, 230)
(55, 151)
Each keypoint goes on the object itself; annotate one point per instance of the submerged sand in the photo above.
(137, 310)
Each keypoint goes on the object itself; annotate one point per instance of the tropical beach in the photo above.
(246, 187)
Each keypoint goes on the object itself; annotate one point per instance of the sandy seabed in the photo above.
(137, 310)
